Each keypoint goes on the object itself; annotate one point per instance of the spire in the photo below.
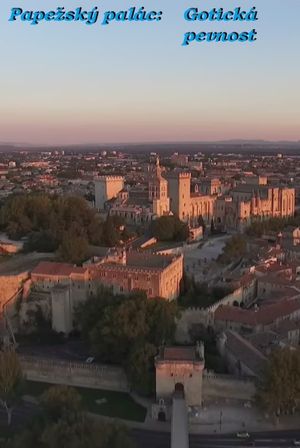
(157, 168)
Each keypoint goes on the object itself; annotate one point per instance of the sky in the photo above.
(69, 83)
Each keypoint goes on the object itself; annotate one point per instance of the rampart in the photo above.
(227, 387)
(78, 374)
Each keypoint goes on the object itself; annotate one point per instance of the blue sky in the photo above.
(134, 82)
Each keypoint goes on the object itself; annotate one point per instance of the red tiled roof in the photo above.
(272, 267)
(57, 269)
(264, 315)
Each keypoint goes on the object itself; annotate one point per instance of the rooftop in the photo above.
(245, 352)
(57, 269)
(263, 316)
(188, 354)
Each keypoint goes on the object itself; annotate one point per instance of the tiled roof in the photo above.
(57, 269)
(179, 354)
(287, 325)
(245, 352)
(263, 316)
(263, 340)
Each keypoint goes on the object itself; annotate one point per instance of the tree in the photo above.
(160, 318)
(73, 249)
(170, 228)
(59, 401)
(84, 432)
(52, 222)
(278, 390)
(119, 327)
(11, 380)
(199, 295)
(234, 249)
(72, 431)
(128, 330)
(41, 241)
(140, 367)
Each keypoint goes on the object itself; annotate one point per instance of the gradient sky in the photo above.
(67, 83)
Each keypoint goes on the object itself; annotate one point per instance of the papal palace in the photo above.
(229, 207)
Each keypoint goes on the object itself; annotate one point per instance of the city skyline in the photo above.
(132, 83)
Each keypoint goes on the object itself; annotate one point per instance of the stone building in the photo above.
(243, 205)
(68, 285)
(141, 205)
(180, 369)
(187, 205)
(106, 188)
(248, 203)
(158, 192)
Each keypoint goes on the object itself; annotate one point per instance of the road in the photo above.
(160, 439)
(276, 439)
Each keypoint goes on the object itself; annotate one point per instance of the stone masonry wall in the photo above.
(74, 373)
(227, 387)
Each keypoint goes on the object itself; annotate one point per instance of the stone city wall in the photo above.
(77, 374)
(217, 386)
(9, 285)
(203, 316)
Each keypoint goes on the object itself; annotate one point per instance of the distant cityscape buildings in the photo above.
(229, 207)
(234, 274)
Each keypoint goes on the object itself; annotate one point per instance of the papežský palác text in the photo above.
(135, 14)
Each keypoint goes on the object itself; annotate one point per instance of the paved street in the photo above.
(199, 261)
(148, 439)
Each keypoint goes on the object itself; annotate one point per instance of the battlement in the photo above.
(109, 178)
(180, 175)
(185, 175)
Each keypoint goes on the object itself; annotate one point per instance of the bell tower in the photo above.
(158, 192)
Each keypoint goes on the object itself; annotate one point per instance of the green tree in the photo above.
(118, 327)
(234, 249)
(140, 367)
(89, 313)
(161, 317)
(11, 380)
(278, 390)
(60, 401)
(73, 249)
(70, 432)
(199, 295)
(170, 228)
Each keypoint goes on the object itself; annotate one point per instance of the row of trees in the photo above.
(63, 423)
(63, 224)
(278, 390)
(259, 228)
(199, 294)
(128, 331)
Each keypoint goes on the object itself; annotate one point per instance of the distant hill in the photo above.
(226, 146)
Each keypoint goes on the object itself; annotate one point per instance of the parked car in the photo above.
(243, 435)
(90, 360)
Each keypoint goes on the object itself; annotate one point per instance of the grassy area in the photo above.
(110, 403)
